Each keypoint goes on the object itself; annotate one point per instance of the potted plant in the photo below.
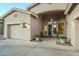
(37, 37)
(62, 39)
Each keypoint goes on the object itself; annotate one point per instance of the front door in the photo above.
(50, 30)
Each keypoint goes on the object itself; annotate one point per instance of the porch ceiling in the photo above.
(54, 14)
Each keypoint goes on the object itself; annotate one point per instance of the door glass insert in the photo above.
(45, 29)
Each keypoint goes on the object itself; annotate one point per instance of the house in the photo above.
(49, 18)
(17, 24)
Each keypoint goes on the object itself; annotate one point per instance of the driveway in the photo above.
(1, 36)
(12, 47)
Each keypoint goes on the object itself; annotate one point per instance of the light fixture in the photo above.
(51, 20)
(25, 24)
(54, 22)
(54, 26)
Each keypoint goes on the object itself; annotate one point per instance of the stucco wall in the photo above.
(72, 30)
(43, 7)
(36, 25)
(20, 19)
(77, 34)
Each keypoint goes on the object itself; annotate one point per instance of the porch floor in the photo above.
(51, 43)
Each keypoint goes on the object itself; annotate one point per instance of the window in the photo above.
(45, 29)
(61, 28)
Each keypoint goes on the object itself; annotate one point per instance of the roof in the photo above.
(71, 7)
(32, 5)
(19, 10)
(67, 8)
(13, 9)
(1, 20)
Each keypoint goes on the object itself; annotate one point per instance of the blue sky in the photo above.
(4, 7)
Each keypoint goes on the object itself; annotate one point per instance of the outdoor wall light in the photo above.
(54, 26)
(24, 25)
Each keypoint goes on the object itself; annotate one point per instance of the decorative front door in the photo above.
(50, 30)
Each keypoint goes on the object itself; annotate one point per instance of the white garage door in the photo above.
(14, 31)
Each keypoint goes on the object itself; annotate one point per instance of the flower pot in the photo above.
(37, 38)
(62, 40)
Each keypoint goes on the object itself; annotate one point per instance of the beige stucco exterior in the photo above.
(73, 27)
(20, 19)
(36, 21)
(36, 25)
(40, 15)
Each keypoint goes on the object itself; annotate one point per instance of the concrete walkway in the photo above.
(48, 47)
(11, 47)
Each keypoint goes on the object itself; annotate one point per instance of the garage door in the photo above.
(1, 28)
(14, 31)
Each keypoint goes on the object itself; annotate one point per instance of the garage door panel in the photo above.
(15, 31)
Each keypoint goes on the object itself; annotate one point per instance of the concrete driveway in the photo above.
(12, 47)
(1, 36)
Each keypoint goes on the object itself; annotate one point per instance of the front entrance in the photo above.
(54, 29)
(49, 30)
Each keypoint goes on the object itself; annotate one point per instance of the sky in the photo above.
(5, 7)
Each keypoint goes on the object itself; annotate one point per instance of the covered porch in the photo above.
(53, 23)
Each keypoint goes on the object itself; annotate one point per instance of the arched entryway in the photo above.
(53, 23)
